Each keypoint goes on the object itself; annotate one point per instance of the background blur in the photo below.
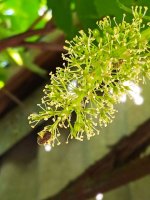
(32, 35)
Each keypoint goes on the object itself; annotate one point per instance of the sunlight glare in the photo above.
(47, 147)
(9, 12)
(99, 196)
(138, 100)
(134, 92)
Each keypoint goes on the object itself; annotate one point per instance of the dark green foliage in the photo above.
(62, 14)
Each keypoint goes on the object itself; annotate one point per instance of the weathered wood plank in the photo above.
(117, 168)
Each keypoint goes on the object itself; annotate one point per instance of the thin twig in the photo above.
(37, 20)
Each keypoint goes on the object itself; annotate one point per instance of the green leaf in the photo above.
(129, 3)
(115, 8)
(87, 13)
(109, 8)
(23, 14)
(62, 14)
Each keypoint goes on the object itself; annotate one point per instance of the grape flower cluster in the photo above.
(96, 66)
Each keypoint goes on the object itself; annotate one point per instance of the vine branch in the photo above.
(38, 20)
(43, 46)
(17, 40)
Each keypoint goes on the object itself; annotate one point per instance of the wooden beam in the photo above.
(25, 82)
(122, 165)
